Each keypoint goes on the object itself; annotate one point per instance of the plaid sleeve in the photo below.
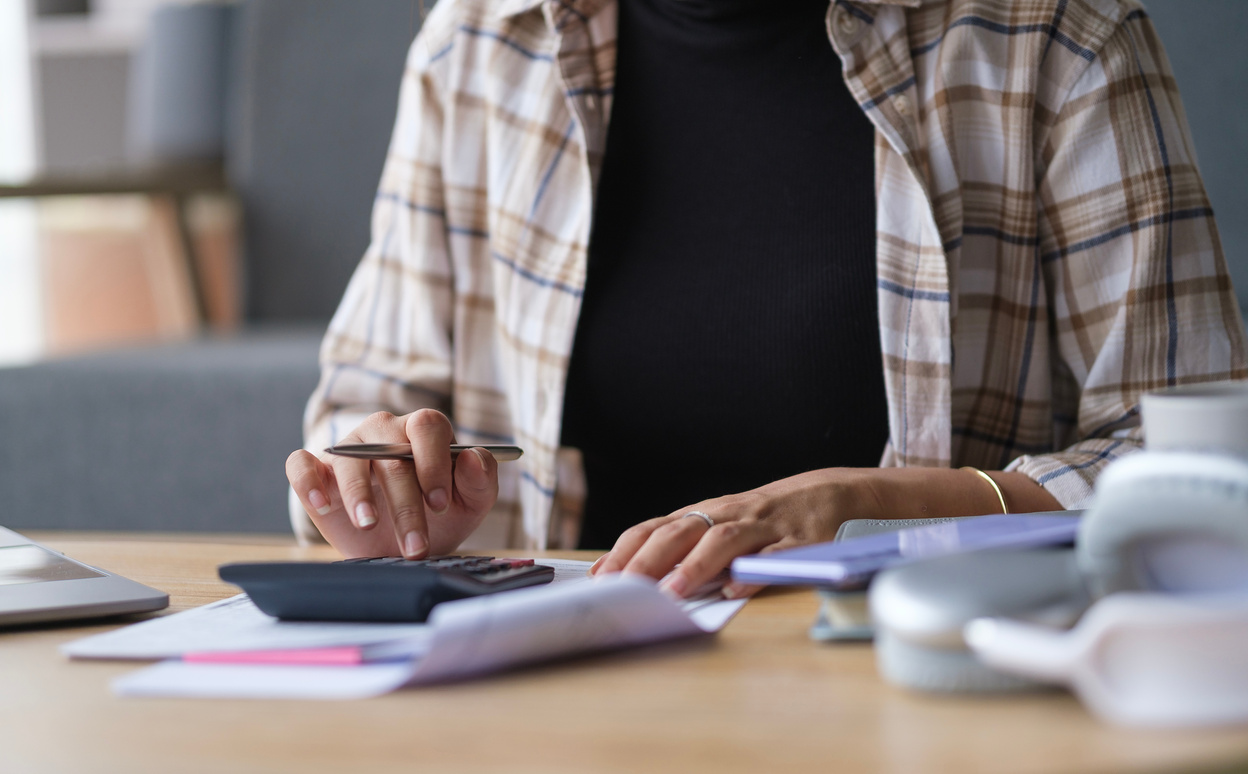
(1139, 290)
(388, 347)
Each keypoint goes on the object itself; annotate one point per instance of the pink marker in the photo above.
(352, 655)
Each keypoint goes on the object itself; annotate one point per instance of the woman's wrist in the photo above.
(918, 493)
(1023, 494)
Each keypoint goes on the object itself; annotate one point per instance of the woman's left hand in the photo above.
(807, 508)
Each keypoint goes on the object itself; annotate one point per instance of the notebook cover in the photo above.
(851, 562)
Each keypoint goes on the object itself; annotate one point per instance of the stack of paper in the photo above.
(231, 649)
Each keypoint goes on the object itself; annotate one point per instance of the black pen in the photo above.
(403, 451)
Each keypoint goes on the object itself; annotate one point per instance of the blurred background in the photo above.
(185, 188)
(159, 105)
(97, 271)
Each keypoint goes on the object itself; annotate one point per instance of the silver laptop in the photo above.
(38, 584)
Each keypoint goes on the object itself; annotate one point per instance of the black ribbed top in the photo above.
(729, 333)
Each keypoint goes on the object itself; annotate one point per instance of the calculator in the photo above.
(383, 589)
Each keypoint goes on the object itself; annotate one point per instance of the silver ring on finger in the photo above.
(703, 516)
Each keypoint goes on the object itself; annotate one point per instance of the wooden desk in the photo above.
(759, 697)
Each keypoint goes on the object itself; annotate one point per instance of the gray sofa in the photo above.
(186, 437)
(193, 435)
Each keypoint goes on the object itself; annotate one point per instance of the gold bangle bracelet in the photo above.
(991, 483)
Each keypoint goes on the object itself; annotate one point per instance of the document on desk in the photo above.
(463, 639)
(235, 624)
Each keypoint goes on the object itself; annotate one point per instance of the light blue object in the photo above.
(849, 564)
(920, 611)
(842, 617)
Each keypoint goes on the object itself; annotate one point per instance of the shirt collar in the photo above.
(587, 8)
(905, 3)
(509, 8)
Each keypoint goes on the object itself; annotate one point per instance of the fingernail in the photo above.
(675, 585)
(413, 545)
(482, 467)
(730, 591)
(593, 568)
(319, 501)
(437, 501)
(364, 517)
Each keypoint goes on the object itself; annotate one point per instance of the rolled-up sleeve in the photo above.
(1140, 296)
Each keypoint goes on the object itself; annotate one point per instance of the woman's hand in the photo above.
(389, 507)
(807, 508)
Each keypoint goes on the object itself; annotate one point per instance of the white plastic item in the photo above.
(1137, 659)
(1209, 418)
(1167, 521)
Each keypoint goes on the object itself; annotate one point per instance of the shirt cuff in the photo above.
(1070, 475)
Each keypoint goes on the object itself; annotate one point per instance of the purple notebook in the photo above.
(851, 563)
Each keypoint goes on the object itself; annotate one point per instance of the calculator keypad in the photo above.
(484, 568)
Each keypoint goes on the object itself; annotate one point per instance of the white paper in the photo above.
(463, 639)
(230, 625)
(486, 634)
(249, 681)
(568, 569)
(235, 624)
(713, 614)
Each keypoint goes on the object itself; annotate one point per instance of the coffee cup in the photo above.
(1208, 418)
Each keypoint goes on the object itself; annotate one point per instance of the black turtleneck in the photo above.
(729, 332)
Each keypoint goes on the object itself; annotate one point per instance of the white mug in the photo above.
(1209, 418)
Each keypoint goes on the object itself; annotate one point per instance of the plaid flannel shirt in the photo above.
(1046, 251)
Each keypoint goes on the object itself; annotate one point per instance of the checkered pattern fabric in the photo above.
(1046, 250)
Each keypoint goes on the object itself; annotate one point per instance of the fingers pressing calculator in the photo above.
(380, 589)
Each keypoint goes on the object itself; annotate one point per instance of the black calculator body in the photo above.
(385, 589)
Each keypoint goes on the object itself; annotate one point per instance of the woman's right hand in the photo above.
(426, 506)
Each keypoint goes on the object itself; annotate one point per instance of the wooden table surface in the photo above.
(758, 697)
